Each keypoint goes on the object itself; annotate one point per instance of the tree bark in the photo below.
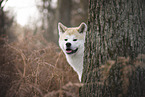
(114, 55)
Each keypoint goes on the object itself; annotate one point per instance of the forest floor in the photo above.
(33, 67)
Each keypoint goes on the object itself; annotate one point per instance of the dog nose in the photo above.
(68, 44)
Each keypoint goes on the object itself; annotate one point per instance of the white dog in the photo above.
(71, 41)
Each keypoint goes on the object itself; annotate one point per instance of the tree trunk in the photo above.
(64, 11)
(114, 57)
(2, 18)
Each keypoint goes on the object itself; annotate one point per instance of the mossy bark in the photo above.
(114, 50)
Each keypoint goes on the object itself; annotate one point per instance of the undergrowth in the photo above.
(33, 67)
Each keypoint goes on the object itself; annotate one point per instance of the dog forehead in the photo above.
(72, 33)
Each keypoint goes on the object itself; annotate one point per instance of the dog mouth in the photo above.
(70, 51)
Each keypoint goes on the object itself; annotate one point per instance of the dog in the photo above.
(71, 41)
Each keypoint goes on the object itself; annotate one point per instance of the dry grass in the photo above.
(35, 68)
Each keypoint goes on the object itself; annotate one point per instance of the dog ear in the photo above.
(82, 28)
(61, 28)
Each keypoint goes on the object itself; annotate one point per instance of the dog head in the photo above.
(71, 40)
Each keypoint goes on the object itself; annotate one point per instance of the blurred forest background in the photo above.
(69, 12)
(31, 63)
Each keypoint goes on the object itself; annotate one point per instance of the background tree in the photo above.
(115, 53)
(5, 23)
(64, 11)
(6, 35)
(2, 16)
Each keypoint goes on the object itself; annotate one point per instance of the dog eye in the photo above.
(65, 39)
(74, 39)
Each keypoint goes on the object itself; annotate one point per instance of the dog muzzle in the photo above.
(70, 51)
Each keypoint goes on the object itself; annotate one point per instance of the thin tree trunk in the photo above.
(114, 57)
(64, 11)
(2, 18)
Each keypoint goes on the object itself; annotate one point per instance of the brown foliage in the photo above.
(36, 68)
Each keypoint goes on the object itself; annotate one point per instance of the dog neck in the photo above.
(76, 61)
